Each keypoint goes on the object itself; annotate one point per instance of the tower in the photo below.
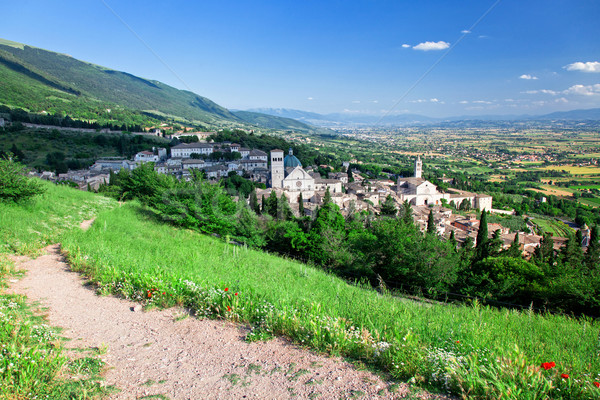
(418, 167)
(277, 170)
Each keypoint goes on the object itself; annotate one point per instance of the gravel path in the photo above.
(164, 353)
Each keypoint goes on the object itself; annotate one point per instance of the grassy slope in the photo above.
(127, 252)
(130, 254)
(32, 363)
(113, 86)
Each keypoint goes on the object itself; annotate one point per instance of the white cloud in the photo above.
(528, 77)
(561, 100)
(509, 100)
(375, 101)
(590, 66)
(427, 46)
(583, 90)
(434, 100)
(543, 91)
(310, 98)
(465, 31)
(463, 102)
(406, 46)
(482, 102)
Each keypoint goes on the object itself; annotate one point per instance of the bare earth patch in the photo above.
(159, 354)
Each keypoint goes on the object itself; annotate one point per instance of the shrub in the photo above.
(15, 186)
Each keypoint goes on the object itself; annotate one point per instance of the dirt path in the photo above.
(159, 353)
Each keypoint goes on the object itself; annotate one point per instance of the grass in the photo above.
(32, 361)
(462, 348)
(27, 228)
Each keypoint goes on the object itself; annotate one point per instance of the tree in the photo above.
(388, 208)
(452, 240)
(592, 255)
(253, 203)
(481, 244)
(300, 205)
(270, 207)
(431, 228)
(15, 185)
(515, 248)
(495, 244)
(407, 217)
(284, 212)
(327, 197)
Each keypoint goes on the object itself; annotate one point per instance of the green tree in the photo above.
(481, 244)
(253, 203)
(300, 205)
(452, 240)
(592, 255)
(327, 197)
(431, 228)
(284, 212)
(515, 248)
(407, 217)
(270, 207)
(15, 185)
(388, 207)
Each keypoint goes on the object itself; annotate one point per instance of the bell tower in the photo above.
(418, 167)
(277, 170)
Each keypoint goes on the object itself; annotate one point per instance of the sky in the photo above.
(430, 57)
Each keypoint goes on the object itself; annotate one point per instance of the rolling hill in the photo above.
(39, 80)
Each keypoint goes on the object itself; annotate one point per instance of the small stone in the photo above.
(136, 308)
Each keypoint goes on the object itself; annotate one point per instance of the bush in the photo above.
(15, 186)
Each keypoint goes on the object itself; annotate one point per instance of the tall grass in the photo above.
(32, 363)
(26, 228)
(478, 351)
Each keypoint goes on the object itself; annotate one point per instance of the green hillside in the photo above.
(38, 81)
(78, 79)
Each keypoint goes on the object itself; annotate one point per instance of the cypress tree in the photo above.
(515, 248)
(272, 204)
(452, 240)
(300, 205)
(253, 202)
(263, 202)
(481, 245)
(407, 213)
(592, 256)
(431, 229)
(327, 198)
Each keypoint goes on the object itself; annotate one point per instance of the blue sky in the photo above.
(523, 57)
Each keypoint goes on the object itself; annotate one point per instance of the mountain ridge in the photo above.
(42, 81)
(333, 119)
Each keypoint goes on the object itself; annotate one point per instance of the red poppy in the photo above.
(235, 293)
(458, 341)
(228, 308)
(597, 384)
(564, 376)
(548, 365)
(164, 292)
(149, 293)
(226, 289)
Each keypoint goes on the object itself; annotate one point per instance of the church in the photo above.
(420, 192)
(287, 174)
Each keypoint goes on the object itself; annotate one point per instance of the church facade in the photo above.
(420, 192)
(288, 174)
